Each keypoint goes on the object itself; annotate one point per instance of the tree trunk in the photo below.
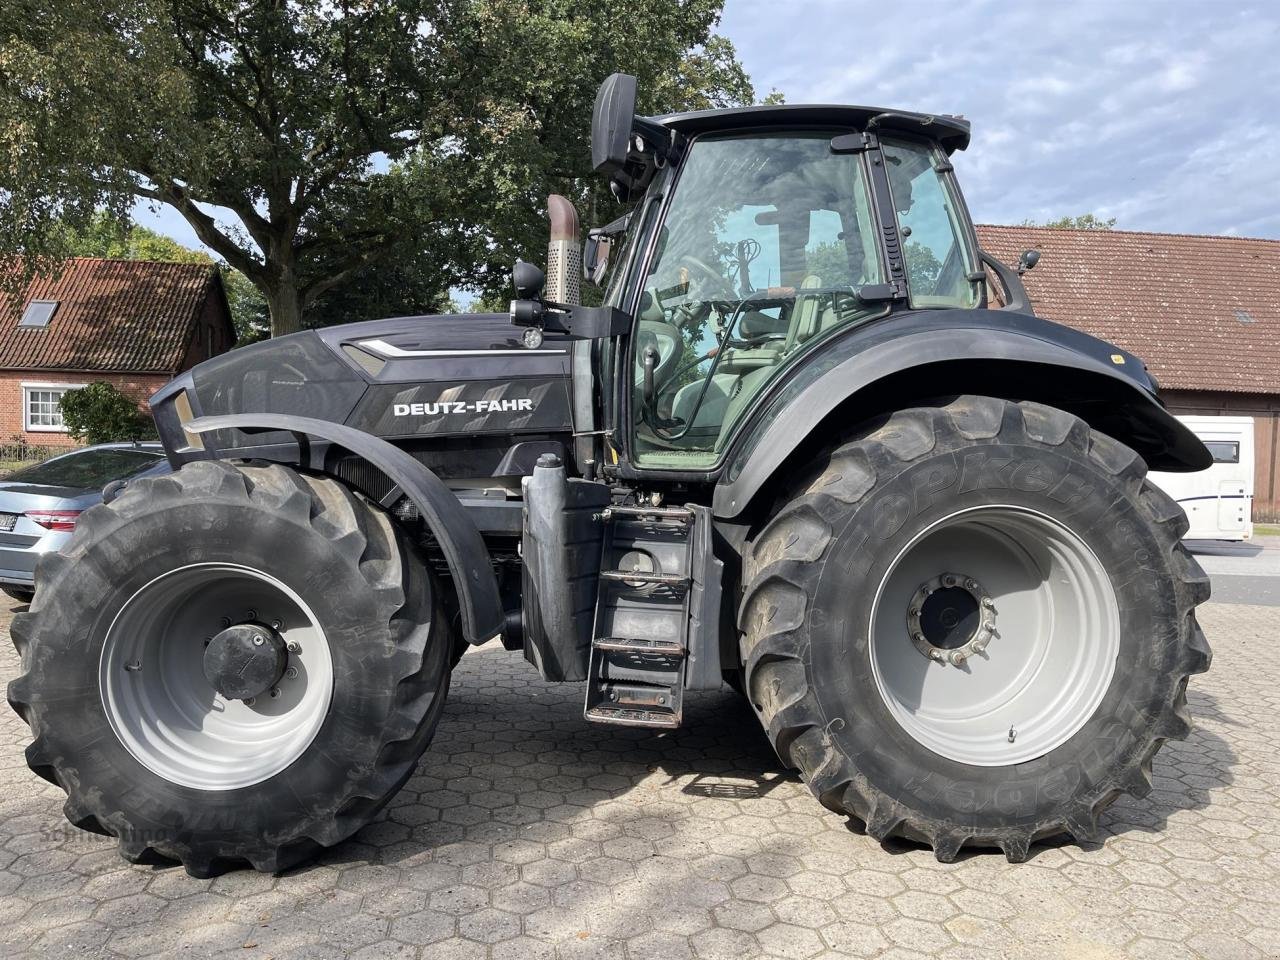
(284, 307)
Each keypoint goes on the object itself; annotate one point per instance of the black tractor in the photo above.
(814, 445)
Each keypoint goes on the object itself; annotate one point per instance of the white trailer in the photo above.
(1218, 501)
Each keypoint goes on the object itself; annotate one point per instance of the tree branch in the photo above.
(310, 292)
(206, 229)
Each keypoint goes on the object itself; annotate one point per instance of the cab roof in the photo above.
(951, 132)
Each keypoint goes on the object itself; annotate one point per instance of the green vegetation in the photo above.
(338, 156)
(99, 413)
(1086, 221)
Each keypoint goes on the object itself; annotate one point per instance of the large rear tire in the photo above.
(230, 665)
(973, 625)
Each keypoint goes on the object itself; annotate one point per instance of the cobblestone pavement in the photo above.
(528, 833)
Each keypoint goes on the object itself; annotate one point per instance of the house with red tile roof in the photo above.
(1202, 312)
(133, 323)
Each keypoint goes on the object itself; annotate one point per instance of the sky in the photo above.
(1160, 113)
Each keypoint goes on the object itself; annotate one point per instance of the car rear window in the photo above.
(87, 468)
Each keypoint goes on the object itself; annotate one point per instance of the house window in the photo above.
(38, 313)
(40, 410)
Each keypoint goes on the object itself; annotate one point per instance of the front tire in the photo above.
(974, 626)
(153, 629)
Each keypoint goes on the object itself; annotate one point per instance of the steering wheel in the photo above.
(713, 277)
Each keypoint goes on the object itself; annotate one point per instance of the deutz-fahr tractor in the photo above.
(813, 445)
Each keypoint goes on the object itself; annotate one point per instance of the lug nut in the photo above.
(259, 639)
(294, 646)
(958, 657)
(225, 622)
(249, 701)
(949, 581)
(988, 603)
(275, 624)
(251, 614)
(291, 673)
(208, 640)
(275, 692)
(935, 654)
(971, 584)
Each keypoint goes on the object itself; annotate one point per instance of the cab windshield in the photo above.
(766, 241)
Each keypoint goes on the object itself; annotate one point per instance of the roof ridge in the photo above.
(174, 263)
(1129, 233)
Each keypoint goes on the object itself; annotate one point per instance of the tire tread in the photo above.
(787, 554)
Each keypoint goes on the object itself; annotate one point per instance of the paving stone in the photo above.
(528, 834)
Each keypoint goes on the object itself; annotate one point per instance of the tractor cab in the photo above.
(759, 234)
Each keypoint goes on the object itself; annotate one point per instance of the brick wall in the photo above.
(12, 422)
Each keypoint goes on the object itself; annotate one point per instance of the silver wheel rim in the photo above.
(168, 715)
(1024, 674)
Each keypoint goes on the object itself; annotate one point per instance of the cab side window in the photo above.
(935, 241)
(767, 240)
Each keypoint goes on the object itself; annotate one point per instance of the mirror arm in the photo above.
(1015, 292)
(578, 322)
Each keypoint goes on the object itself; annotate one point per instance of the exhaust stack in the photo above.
(564, 254)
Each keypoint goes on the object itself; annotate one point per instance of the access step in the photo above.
(631, 717)
(673, 514)
(665, 648)
(645, 577)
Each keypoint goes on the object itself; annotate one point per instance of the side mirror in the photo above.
(1028, 261)
(595, 258)
(611, 121)
(528, 279)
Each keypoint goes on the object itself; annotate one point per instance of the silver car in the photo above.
(39, 504)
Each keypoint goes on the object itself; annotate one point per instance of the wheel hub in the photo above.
(194, 697)
(951, 618)
(245, 660)
(1059, 635)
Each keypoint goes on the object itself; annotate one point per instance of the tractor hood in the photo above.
(403, 378)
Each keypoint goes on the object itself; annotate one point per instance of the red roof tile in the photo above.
(113, 315)
(1202, 312)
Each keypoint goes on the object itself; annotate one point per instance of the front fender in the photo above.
(916, 357)
(459, 540)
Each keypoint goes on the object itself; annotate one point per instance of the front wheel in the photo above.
(974, 626)
(231, 665)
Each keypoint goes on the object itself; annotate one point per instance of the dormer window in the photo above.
(38, 313)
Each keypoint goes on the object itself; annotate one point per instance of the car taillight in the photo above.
(64, 520)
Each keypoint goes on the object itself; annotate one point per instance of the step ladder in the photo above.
(640, 638)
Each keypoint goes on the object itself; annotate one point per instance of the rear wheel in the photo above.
(974, 626)
(231, 665)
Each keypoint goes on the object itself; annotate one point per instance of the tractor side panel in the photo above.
(444, 407)
(410, 379)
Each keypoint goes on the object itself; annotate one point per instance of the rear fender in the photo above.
(891, 366)
(460, 541)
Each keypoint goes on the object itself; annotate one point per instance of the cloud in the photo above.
(1163, 115)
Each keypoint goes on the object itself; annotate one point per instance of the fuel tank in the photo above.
(417, 381)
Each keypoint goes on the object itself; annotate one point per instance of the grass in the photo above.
(9, 466)
(1266, 529)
